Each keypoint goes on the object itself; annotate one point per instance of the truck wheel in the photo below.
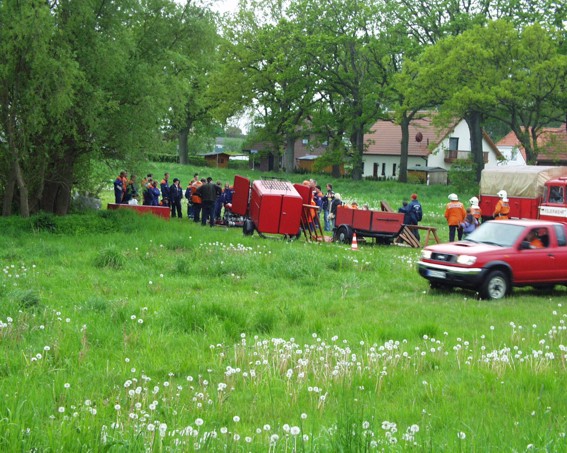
(495, 286)
(248, 227)
(344, 234)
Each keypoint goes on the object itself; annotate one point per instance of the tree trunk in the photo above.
(404, 151)
(289, 154)
(9, 193)
(183, 147)
(473, 120)
(357, 140)
(58, 183)
(16, 170)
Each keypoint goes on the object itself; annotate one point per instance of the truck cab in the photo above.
(554, 203)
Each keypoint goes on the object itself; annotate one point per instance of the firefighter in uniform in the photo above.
(475, 208)
(455, 213)
(502, 209)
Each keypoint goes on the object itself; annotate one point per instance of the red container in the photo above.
(361, 219)
(344, 216)
(386, 222)
(241, 195)
(275, 207)
(161, 211)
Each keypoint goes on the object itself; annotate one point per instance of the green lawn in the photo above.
(121, 332)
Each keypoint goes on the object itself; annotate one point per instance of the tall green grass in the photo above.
(122, 332)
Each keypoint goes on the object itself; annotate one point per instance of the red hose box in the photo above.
(275, 207)
(387, 222)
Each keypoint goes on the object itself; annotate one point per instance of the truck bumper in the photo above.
(464, 277)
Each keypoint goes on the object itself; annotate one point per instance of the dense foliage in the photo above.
(83, 84)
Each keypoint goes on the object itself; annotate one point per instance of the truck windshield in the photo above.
(496, 233)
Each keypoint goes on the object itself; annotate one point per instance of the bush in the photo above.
(44, 222)
(25, 298)
(110, 257)
(462, 176)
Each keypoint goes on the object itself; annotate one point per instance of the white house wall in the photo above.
(387, 163)
(435, 159)
(514, 157)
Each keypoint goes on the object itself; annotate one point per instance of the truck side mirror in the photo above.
(525, 245)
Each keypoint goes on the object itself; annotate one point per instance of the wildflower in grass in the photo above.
(236, 419)
(294, 430)
(117, 407)
(199, 422)
(61, 409)
(365, 425)
(274, 438)
(303, 416)
(46, 348)
(461, 435)
(133, 317)
(224, 430)
(67, 385)
(267, 427)
(151, 427)
(286, 428)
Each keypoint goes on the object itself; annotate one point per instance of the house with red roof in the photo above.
(431, 149)
(552, 145)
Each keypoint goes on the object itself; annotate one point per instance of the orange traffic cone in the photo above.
(354, 245)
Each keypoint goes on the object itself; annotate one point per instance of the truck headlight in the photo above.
(426, 254)
(467, 260)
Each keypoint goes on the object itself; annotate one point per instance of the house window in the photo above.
(305, 140)
(393, 169)
(375, 171)
(453, 143)
(384, 169)
(514, 154)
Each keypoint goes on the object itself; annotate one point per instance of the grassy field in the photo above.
(121, 332)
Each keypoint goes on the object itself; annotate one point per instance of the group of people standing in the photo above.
(463, 221)
(205, 199)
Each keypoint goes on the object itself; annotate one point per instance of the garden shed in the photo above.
(428, 175)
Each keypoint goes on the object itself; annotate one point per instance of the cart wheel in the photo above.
(344, 234)
(248, 227)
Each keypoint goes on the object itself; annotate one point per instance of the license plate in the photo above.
(436, 274)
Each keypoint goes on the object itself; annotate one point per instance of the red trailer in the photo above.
(161, 211)
(272, 206)
(380, 225)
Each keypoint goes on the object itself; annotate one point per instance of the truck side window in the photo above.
(560, 233)
(556, 194)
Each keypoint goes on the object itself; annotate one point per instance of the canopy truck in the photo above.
(534, 192)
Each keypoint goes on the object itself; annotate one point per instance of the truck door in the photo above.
(538, 263)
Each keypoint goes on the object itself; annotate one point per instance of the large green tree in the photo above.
(342, 40)
(268, 50)
(82, 82)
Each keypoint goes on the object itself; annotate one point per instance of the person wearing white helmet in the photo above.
(475, 208)
(455, 214)
(502, 209)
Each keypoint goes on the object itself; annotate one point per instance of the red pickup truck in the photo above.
(499, 255)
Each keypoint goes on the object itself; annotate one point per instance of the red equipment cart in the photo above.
(271, 206)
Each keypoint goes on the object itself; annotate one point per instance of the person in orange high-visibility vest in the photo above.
(502, 209)
(455, 214)
(196, 199)
(475, 208)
